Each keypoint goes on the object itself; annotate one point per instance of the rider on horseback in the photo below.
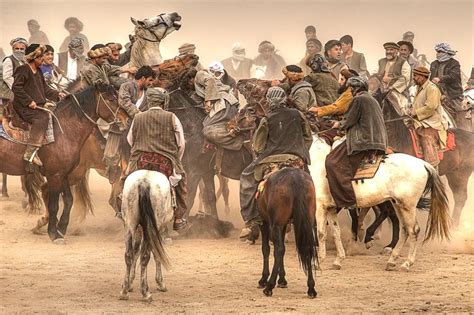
(157, 141)
(30, 94)
(366, 135)
(284, 135)
(301, 94)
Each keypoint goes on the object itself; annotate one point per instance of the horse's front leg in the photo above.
(54, 187)
(67, 205)
(4, 186)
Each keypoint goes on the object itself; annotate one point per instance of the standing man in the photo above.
(268, 64)
(322, 81)
(71, 62)
(10, 64)
(74, 26)
(157, 141)
(446, 73)
(37, 36)
(301, 94)
(313, 47)
(30, 92)
(310, 32)
(238, 66)
(333, 54)
(427, 111)
(366, 134)
(283, 135)
(409, 36)
(354, 60)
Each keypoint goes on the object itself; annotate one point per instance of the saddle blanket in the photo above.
(450, 143)
(368, 168)
(20, 136)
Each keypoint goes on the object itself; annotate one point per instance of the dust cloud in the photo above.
(215, 25)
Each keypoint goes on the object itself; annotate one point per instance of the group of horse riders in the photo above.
(283, 136)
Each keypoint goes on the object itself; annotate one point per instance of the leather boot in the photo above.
(31, 155)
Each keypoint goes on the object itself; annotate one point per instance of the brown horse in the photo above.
(77, 115)
(288, 194)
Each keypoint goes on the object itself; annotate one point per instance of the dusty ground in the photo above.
(215, 276)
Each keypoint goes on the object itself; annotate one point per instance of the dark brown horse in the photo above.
(288, 194)
(77, 116)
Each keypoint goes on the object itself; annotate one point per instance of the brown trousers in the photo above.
(39, 123)
(429, 142)
(340, 169)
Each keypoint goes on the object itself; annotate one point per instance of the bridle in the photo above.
(107, 105)
(163, 20)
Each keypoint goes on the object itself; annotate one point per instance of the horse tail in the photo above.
(438, 218)
(305, 235)
(33, 183)
(83, 202)
(151, 233)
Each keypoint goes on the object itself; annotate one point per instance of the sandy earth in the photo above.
(218, 276)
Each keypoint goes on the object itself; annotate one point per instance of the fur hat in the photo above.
(34, 51)
(98, 50)
(293, 72)
(406, 43)
(423, 71)
(391, 45)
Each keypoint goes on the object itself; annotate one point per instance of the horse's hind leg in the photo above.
(224, 189)
(458, 183)
(137, 242)
(340, 253)
(278, 236)
(264, 228)
(129, 258)
(404, 235)
(4, 186)
(67, 205)
(282, 283)
(360, 223)
(321, 224)
(354, 222)
(395, 229)
(412, 230)
(144, 259)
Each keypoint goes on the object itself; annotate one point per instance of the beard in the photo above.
(390, 56)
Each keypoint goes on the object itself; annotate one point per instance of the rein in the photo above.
(76, 102)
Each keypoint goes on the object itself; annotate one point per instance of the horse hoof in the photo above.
(250, 242)
(262, 284)
(162, 288)
(369, 244)
(59, 241)
(336, 266)
(148, 298)
(312, 293)
(268, 292)
(123, 296)
(283, 285)
(390, 266)
(405, 266)
(130, 289)
(387, 251)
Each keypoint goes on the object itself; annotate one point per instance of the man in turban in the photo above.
(427, 111)
(283, 136)
(268, 64)
(333, 54)
(313, 47)
(301, 94)
(238, 66)
(30, 92)
(10, 63)
(189, 49)
(37, 36)
(72, 61)
(157, 141)
(74, 26)
(446, 73)
(220, 73)
(96, 69)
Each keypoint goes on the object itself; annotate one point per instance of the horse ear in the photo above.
(133, 21)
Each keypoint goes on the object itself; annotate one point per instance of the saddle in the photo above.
(415, 139)
(368, 167)
(15, 129)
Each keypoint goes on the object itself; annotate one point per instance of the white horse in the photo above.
(148, 35)
(146, 209)
(402, 179)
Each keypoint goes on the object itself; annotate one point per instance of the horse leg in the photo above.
(321, 226)
(224, 190)
(282, 283)
(369, 235)
(264, 228)
(458, 183)
(54, 188)
(201, 203)
(395, 229)
(412, 230)
(354, 222)
(144, 259)
(45, 218)
(136, 245)
(278, 236)
(67, 205)
(362, 214)
(398, 248)
(340, 253)
(210, 192)
(311, 283)
(129, 259)
(4, 186)
(24, 202)
(192, 184)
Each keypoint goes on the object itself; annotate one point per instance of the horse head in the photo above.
(254, 91)
(170, 72)
(107, 106)
(156, 28)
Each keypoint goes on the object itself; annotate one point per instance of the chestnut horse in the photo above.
(288, 194)
(77, 115)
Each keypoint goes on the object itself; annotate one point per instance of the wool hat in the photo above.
(406, 43)
(391, 45)
(423, 71)
(98, 50)
(293, 72)
(186, 48)
(34, 51)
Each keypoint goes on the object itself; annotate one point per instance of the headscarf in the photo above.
(19, 40)
(186, 48)
(265, 45)
(34, 51)
(276, 98)
(446, 52)
(357, 84)
(318, 64)
(216, 66)
(75, 42)
(157, 97)
(238, 52)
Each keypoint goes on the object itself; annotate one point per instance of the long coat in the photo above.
(449, 74)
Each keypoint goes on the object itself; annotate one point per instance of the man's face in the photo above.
(267, 53)
(345, 47)
(48, 58)
(19, 47)
(419, 79)
(32, 28)
(310, 35)
(404, 51)
(148, 82)
(335, 52)
(115, 55)
(100, 60)
(38, 61)
(391, 53)
(312, 49)
(72, 28)
(342, 80)
(409, 38)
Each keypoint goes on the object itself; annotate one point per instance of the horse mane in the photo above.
(84, 97)
(74, 85)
